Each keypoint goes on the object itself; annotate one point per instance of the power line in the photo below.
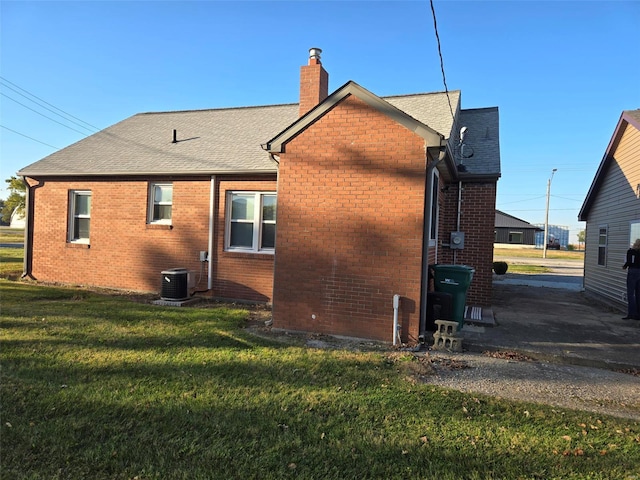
(30, 138)
(444, 80)
(42, 114)
(45, 102)
(49, 109)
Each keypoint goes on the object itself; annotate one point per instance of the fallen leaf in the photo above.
(566, 437)
(292, 466)
(8, 425)
(424, 439)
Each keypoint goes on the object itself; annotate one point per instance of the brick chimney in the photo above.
(314, 82)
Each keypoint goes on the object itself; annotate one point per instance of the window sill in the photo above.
(78, 245)
(159, 226)
(248, 254)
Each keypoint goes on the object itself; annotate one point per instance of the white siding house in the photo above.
(611, 211)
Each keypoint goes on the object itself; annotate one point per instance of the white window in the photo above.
(251, 222)
(602, 245)
(160, 202)
(634, 231)
(79, 216)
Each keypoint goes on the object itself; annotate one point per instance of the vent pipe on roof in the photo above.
(175, 136)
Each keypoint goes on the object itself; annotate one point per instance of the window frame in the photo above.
(258, 221)
(73, 217)
(151, 220)
(634, 226)
(519, 234)
(602, 247)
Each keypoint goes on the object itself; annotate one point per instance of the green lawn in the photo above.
(530, 269)
(11, 235)
(11, 262)
(500, 253)
(102, 387)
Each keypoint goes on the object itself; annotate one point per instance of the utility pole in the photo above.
(546, 216)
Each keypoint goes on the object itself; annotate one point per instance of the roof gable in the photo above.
(278, 143)
(627, 118)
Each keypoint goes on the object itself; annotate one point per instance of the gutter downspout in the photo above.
(212, 209)
(424, 285)
(27, 263)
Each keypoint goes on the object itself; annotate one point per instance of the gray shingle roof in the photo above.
(209, 141)
(229, 140)
(483, 137)
(504, 220)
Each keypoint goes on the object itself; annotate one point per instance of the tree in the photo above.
(2, 222)
(16, 199)
(581, 237)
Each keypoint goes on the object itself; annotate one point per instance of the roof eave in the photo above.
(624, 120)
(148, 173)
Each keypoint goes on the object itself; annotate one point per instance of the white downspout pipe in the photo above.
(212, 212)
(396, 327)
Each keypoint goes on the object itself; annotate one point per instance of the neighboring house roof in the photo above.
(17, 219)
(504, 220)
(229, 140)
(628, 117)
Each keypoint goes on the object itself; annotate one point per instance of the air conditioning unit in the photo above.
(175, 284)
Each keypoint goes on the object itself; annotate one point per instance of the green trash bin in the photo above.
(454, 279)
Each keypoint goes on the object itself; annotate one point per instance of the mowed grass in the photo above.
(501, 253)
(11, 235)
(527, 269)
(102, 387)
(11, 262)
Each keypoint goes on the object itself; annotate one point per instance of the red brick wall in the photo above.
(477, 221)
(127, 253)
(247, 276)
(350, 215)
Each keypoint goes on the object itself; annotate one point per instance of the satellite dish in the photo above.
(466, 151)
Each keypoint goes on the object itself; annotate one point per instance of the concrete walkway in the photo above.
(548, 317)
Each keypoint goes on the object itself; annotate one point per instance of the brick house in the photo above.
(368, 192)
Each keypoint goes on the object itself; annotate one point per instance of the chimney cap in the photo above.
(314, 54)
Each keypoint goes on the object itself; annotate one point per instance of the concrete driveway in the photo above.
(548, 317)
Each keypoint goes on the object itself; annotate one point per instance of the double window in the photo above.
(160, 203)
(251, 222)
(79, 216)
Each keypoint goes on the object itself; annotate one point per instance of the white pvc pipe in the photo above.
(212, 213)
(396, 329)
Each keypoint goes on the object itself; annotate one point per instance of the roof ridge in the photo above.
(200, 110)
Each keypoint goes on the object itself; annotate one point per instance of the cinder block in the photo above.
(446, 336)
(446, 327)
(444, 342)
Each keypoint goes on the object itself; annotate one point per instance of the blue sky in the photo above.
(560, 72)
